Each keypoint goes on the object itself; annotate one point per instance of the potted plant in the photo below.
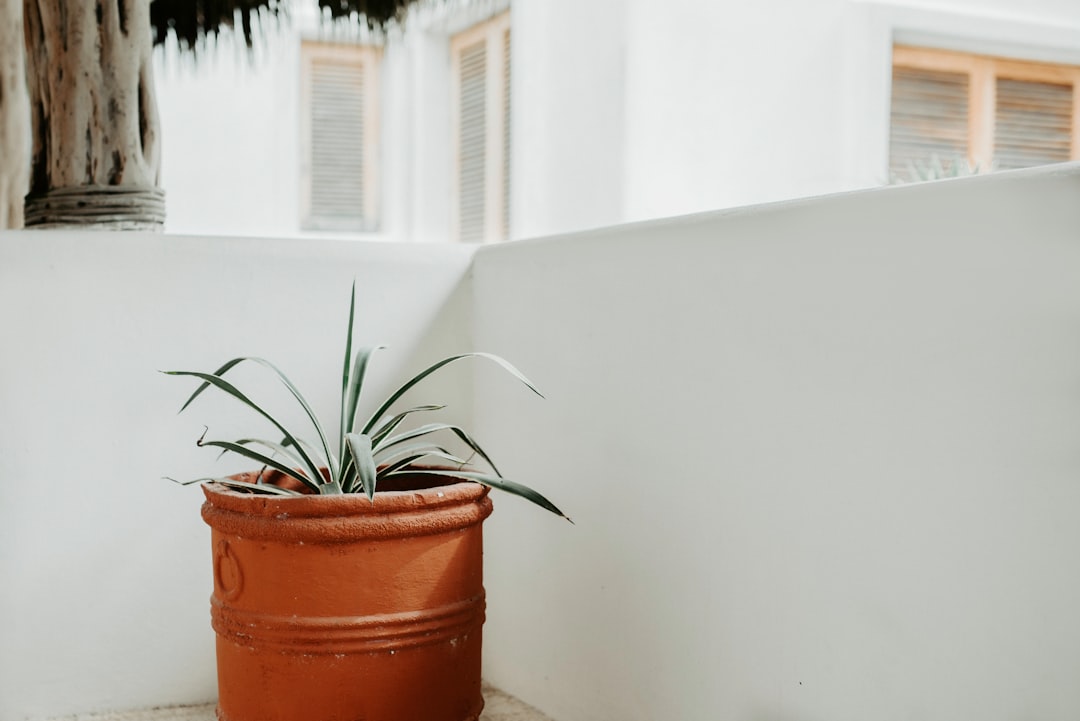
(348, 576)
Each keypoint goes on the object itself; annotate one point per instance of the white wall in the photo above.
(732, 106)
(230, 130)
(822, 457)
(569, 122)
(104, 567)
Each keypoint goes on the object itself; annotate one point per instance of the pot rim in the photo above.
(346, 503)
(346, 518)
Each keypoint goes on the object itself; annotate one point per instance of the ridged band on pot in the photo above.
(339, 608)
(375, 633)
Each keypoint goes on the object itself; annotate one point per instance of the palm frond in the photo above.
(195, 24)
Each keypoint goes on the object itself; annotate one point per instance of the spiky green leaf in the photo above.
(407, 460)
(258, 487)
(501, 484)
(266, 461)
(382, 410)
(232, 482)
(277, 448)
(360, 449)
(356, 384)
(385, 456)
(424, 430)
(231, 390)
(391, 425)
(327, 456)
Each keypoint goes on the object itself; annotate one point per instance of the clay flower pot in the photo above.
(334, 608)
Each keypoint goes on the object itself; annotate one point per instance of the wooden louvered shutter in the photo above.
(999, 113)
(480, 67)
(929, 118)
(339, 130)
(1032, 123)
(472, 143)
(337, 141)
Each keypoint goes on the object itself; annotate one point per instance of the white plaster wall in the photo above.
(230, 129)
(867, 405)
(418, 154)
(729, 105)
(104, 567)
(569, 120)
(822, 457)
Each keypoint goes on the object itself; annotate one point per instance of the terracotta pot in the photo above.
(330, 608)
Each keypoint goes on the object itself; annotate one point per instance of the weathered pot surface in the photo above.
(334, 608)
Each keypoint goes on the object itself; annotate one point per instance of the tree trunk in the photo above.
(96, 150)
(14, 117)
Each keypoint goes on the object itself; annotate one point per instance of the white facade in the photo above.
(624, 113)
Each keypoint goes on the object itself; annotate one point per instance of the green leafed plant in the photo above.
(366, 451)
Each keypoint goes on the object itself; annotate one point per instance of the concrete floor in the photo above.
(498, 707)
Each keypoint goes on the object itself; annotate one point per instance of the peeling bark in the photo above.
(14, 117)
(96, 150)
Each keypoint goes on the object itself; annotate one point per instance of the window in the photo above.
(990, 112)
(339, 137)
(480, 112)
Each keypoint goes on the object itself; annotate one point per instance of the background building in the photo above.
(485, 121)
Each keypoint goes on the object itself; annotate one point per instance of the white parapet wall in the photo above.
(105, 567)
(823, 459)
(822, 456)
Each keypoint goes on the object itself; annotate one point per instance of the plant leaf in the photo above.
(204, 385)
(192, 482)
(286, 382)
(432, 428)
(360, 448)
(502, 484)
(356, 385)
(471, 443)
(227, 387)
(387, 428)
(414, 448)
(261, 487)
(431, 369)
(265, 460)
(286, 443)
(391, 468)
(270, 446)
(411, 434)
(345, 422)
(348, 473)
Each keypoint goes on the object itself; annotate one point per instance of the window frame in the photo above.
(491, 31)
(368, 58)
(983, 72)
